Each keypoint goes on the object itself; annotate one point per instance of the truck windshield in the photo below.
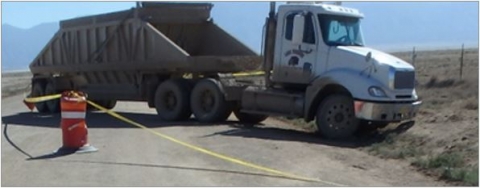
(340, 30)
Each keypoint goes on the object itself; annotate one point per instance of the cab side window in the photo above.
(308, 30)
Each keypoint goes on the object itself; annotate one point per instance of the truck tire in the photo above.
(336, 117)
(38, 90)
(172, 100)
(249, 118)
(52, 105)
(208, 102)
(109, 104)
(92, 108)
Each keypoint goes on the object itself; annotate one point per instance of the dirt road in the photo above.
(130, 156)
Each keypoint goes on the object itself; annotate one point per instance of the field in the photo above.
(15, 82)
(442, 142)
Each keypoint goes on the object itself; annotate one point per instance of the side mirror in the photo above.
(298, 26)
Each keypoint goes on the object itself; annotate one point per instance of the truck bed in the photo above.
(164, 38)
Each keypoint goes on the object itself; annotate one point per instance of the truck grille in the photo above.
(404, 80)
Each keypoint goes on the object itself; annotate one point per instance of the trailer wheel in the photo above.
(109, 104)
(208, 102)
(172, 100)
(336, 117)
(249, 118)
(38, 91)
(52, 105)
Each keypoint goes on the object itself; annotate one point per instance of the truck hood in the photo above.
(379, 56)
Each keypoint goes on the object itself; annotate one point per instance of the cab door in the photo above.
(297, 58)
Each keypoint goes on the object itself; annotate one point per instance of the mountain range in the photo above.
(387, 26)
(21, 46)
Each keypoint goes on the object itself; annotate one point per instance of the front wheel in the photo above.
(336, 117)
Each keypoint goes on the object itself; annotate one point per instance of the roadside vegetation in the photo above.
(443, 141)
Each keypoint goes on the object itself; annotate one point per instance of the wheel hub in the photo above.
(207, 101)
(339, 117)
(170, 101)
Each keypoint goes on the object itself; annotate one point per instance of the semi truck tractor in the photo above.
(314, 65)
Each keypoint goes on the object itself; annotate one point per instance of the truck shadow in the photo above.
(100, 120)
(358, 140)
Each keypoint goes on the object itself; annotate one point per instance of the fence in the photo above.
(414, 56)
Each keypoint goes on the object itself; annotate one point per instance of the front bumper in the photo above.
(390, 112)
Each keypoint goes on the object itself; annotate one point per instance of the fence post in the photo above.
(461, 63)
(414, 56)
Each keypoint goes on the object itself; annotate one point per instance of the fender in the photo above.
(342, 80)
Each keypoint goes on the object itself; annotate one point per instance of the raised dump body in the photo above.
(112, 54)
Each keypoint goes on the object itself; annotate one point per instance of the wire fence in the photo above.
(414, 55)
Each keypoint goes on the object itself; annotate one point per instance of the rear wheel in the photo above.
(336, 117)
(172, 100)
(208, 102)
(38, 91)
(109, 104)
(54, 104)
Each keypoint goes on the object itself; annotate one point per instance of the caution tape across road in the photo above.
(43, 98)
(190, 146)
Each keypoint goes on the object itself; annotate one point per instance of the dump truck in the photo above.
(314, 65)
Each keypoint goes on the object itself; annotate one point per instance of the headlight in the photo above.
(376, 92)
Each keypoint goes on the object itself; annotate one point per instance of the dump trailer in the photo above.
(315, 66)
(125, 55)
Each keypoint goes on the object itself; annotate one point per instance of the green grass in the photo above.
(444, 160)
(407, 146)
(393, 147)
(450, 166)
(469, 176)
(299, 122)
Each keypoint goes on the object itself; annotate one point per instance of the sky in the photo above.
(386, 24)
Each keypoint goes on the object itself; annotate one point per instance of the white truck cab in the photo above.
(320, 54)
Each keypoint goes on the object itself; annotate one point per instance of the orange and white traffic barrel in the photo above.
(74, 129)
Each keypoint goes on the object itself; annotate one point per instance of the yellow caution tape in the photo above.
(42, 99)
(193, 147)
(248, 73)
(211, 153)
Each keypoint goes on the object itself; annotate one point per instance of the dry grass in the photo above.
(448, 120)
(15, 83)
(444, 140)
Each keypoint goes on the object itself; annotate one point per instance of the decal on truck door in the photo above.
(295, 56)
(297, 60)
